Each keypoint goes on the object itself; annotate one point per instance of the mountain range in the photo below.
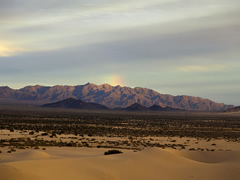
(110, 96)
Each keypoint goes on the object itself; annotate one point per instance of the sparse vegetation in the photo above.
(112, 152)
(128, 125)
(135, 131)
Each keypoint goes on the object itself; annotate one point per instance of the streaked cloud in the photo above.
(62, 24)
(198, 68)
(9, 51)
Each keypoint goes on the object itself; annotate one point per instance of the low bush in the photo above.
(112, 152)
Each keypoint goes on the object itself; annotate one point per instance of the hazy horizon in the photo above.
(176, 47)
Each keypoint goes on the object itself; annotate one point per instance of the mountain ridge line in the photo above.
(110, 96)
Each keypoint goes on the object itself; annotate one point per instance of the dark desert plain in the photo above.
(162, 100)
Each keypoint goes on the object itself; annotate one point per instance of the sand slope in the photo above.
(91, 164)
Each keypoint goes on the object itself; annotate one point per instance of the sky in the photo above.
(178, 47)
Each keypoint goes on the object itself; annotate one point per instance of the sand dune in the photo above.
(10, 173)
(26, 155)
(91, 164)
(210, 157)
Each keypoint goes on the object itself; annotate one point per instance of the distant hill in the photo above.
(110, 96)
(76, 104)
(139, 107)
(235, 109)
(159, 108)
(79, 104)
(135, 107)
(156, 108)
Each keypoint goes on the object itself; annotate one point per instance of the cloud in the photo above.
(6, 51)
(199, 68)
(35, 25)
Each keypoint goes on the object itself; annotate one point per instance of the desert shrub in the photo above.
(31, 133)
(112, 152)
(54, 134)
(69, 144)
(21, 147)
(183, 147)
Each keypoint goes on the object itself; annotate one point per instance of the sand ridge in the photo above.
(151, 163)
(210, 157)
(26, 155)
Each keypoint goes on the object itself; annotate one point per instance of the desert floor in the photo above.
(150, 163)
(70, 145)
